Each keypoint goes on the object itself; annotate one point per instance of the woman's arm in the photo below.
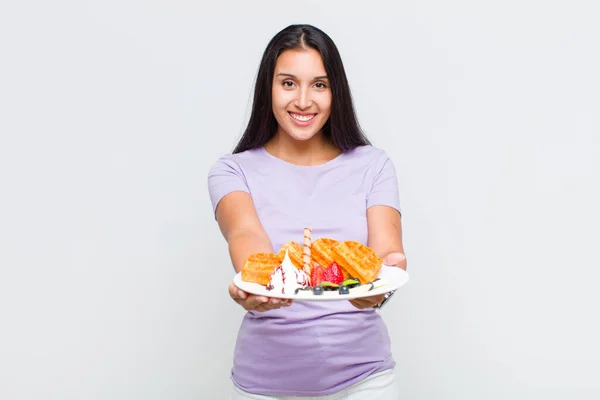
(241, 228)
(245, 235)
(385, 233)
(385, 238)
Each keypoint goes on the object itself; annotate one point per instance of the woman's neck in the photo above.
(314, 151)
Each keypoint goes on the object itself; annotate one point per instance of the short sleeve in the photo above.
(384, 191)
(224, 177)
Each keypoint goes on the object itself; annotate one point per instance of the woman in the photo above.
(304, 162)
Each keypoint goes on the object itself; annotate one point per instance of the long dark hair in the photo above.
(342, 127)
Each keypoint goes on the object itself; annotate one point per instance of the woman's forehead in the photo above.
(300, 63)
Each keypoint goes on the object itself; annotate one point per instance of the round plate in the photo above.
(393, 277)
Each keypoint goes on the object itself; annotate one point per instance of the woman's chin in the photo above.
(301, 136)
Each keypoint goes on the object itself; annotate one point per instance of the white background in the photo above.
(113, 273)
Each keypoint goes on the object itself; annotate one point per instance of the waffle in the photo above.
(259, 267)
(295, 251)
(322, 252)
(358, 260)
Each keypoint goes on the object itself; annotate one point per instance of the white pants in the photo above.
(380, 386)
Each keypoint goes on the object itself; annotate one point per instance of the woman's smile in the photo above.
(302, 119)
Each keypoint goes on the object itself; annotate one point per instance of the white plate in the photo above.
(393, 277)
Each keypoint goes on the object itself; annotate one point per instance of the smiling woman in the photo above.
(301, 94)
(303, 161)
(303, 62)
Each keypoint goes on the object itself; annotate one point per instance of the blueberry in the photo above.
(344, 290)
(317, 290)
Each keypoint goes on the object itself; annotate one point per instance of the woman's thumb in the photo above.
(394, 258)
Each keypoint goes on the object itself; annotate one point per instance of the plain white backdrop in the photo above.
(113, 272)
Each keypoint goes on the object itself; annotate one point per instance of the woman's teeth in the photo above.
(302, 118)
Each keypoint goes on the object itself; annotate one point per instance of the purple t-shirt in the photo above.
(309, 348)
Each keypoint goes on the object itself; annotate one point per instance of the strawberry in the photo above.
(316, 275)
(333, 274)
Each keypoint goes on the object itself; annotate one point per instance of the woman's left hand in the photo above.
(372, 301)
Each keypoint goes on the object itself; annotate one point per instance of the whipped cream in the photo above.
(287, 277)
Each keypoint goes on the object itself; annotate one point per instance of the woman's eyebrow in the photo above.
(294, 76)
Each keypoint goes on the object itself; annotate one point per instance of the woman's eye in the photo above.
(321, 85)
(288, 84)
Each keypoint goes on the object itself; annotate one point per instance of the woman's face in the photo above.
(301, 93)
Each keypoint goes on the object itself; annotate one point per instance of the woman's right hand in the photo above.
(252, 302)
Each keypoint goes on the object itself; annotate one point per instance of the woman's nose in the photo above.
(303, 101)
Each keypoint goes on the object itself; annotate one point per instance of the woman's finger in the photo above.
(394, 258)
(359, 304)
(274, 304)
(254, 301)
(236, 293)
(367, 302)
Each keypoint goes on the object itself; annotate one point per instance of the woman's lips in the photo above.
(302, 119)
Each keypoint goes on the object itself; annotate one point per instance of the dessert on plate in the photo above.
(259, 266)
(295, 252)
(287, 278)
(321, 267)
